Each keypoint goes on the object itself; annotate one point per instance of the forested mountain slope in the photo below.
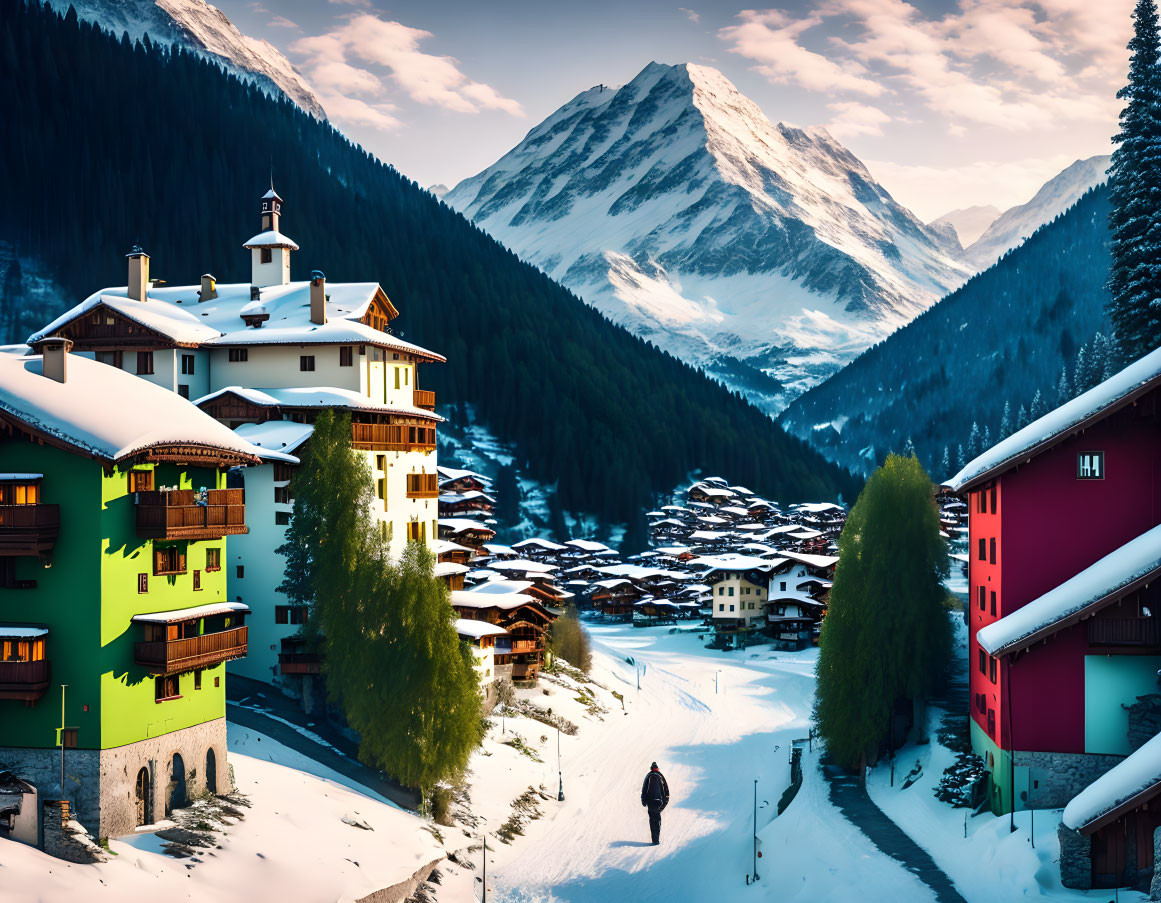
(109, 144)
(1007, 335)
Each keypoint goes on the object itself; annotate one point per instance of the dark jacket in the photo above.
(654, 790)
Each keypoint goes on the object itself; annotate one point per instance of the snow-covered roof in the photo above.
(448, 568)
(478, 629)
(317, 397)
(9, 477)
(439, 546)
(21, 631)
(1113, 576)
(271, 238)
(587, 545)
(638, 572)
(276, 439)
(1126, 785)
(709, 535)
(523, 565)
(106, 412)
(494, 548)
(817, 507)
(332, 332)
(174, 323)
(451, 473)
(732, 562)
(460, 524)
(1081, 412)
(188, 614)
(815, 561)
(463, 598)
(20, 348)
(537, 542)
(500, 585)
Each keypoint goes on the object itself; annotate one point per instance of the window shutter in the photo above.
(181, 562)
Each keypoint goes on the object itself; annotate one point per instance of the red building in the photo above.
(1064, 608)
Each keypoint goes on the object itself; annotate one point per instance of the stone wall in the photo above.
(101, 785)
(65, 838)
(1155, 887)
(1075, 858)
(1060, 776)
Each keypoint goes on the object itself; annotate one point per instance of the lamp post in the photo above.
(559, 772)
(63, 687)
(484, 879)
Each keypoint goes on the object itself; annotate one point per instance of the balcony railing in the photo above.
(28, 529)
(392, 437)
(205, 651)
(176, 514)
(300, 663)
(425, 398)
(1124, 632)
(422, 486)
(27, 681)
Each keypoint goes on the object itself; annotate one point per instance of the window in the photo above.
(731, 591)
(991, 669)
(381, 462)
(747, 590)
(197, 680)
(183, 390)
(995, 500)
(396, 377)
(216, 681)
(113, 358)
(346, 356)
(782, 586)
(187, 364)
(721, 590)
(142, 583)
(239, 355)
(240, 571)
(282, 518)
(140, 480)
(993, 603)
(213, 559)
(306, 362)
(983, 550)
(265, 255)
(992, 550)
(983, 658)
(414, 535)
(731, 608)
(721, 607)
(168, 560)
(1090, 465)
(289, 614)
(165, 688)
(980, 596)
(197, 580)
(992, 722)
(281, 472)
(68, 737)
(19, 493)
(282, 495)
(144, 363)
(381, 487)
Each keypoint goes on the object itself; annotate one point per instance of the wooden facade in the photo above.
(179, 514)
(28, 529)
(175, 656)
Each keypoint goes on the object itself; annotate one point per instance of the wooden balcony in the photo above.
(425, 398)
(392, 437)
(300, 663)
(422, 486)
(1124, 632)
(27, 681)
(525, 670)
(527, 646)
(176, 514)
(176, 656)
(28, 529)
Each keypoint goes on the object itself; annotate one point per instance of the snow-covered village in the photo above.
(682, 454)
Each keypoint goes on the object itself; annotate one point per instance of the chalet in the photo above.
(465, 532)
(470, 503)
(457, 481)
(92, 461)
(739, 588)
(1065, 548)
(521, 653)
(482, 637)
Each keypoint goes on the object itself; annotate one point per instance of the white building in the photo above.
(481, 636)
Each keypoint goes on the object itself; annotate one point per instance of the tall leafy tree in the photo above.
(886, 636)
(1135, 190)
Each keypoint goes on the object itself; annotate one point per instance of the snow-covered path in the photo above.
(711, 746)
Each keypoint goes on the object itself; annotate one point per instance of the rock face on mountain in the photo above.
(968, 223)
(196, 25)
(678, 209)
(1017, 223)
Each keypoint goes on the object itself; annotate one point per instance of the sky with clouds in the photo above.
(950, 103)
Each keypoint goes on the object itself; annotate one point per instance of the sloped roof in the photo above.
(271, 238)
(1117, 574)
(108, 413)
(1125, 786)
(174, 323)
(1114, 393)
(277, 439)
(317, 397)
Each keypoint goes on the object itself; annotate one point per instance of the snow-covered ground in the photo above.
(292, 844)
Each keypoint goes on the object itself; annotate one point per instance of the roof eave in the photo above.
(1116, 812)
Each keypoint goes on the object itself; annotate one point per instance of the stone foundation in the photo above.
(1075, 859)
(1155, 886)
(1060, 776)
(101, 785)
(65, 838)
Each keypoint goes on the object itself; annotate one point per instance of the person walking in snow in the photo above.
(655, 797)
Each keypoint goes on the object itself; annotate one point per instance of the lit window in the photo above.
(1090, 465)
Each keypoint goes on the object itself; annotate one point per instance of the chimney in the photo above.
(55, 351)
(318, 297)
(209, 288)
(138, 273)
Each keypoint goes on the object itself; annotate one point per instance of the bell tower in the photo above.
(270, 249)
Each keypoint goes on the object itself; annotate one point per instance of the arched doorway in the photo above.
(211, 771)
(144, 809)
(176, 784)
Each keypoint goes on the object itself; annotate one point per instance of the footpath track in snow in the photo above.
(711, 747)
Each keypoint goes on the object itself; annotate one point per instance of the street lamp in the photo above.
(559, 773)
(484, 879)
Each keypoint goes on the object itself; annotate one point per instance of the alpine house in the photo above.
(265, 358)
(115, 514)
(1065, 623)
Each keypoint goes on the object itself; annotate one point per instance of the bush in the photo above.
(441, 801)
(569, 640)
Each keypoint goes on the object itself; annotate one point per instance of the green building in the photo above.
(115, 510)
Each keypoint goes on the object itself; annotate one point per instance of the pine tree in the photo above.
(887, 635)
(1006, 420)
(974, 440)
(908, 448)
(1063, 389)
(1038, 409)
(945, 463)
(1135, 186)
(1082, 373)
(987, 439)
(1022, 418)
(960, 460)
(1102, 358)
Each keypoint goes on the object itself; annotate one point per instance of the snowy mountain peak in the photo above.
(196, 25)
(678, 209)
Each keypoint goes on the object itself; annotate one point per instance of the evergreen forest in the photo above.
(110, 142)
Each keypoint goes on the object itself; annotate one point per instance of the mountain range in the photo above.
(969, 223)
(204, 29)
(674, 206)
